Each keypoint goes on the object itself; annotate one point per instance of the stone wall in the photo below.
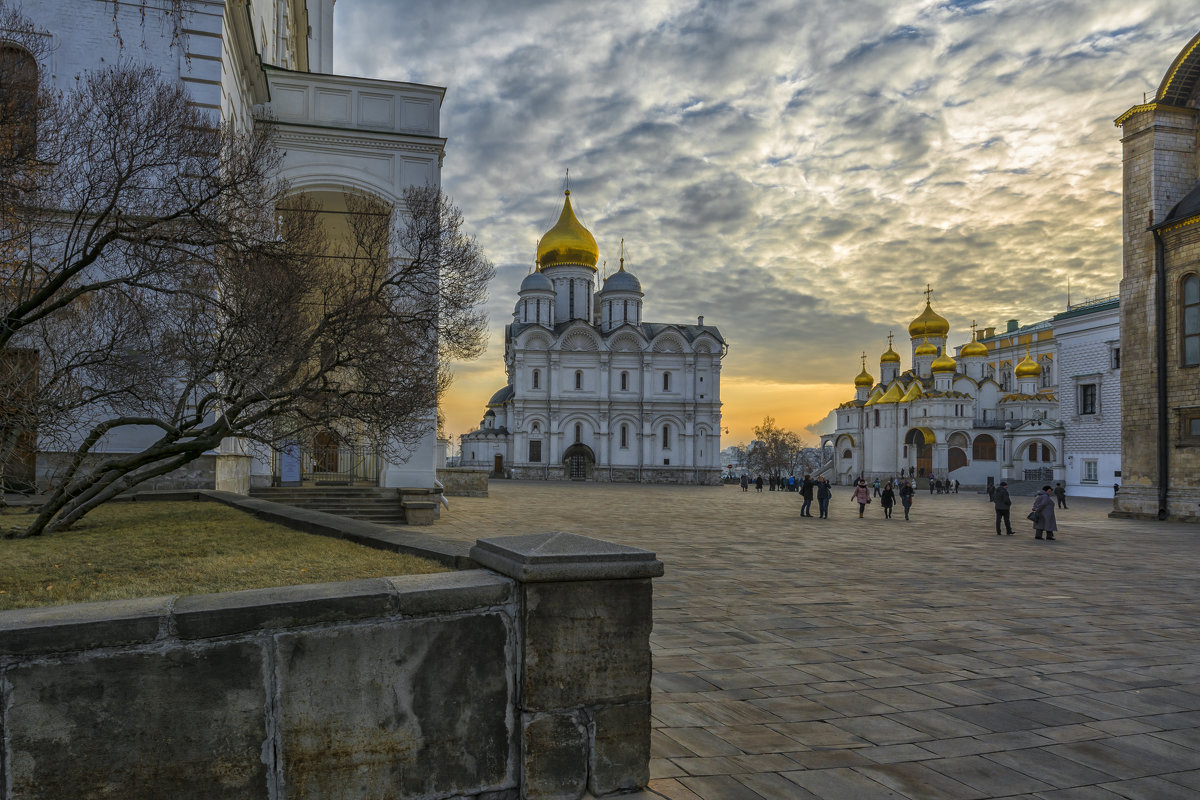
(458, 482)
(528, 680)
(683, 476)
(224, 472)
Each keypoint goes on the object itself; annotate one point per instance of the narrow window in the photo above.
(535, 451)
(571, 299)
(877, 418)
(578, 433)
(1087, 398)
(625, 311)
(1090, 472)
(537, 375)
(666, 381)
(624, 436)
(666, 437)
(1116, 358)
(624, 381)
(1191, 320)
(578, 379)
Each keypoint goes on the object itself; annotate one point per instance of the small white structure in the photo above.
(267, 62)
(594, 392)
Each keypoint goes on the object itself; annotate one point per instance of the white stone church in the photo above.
(255, 63)
(594, 392)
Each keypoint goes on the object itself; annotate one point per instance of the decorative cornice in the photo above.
(435, 145)
(1183, 223)
(1155, 106)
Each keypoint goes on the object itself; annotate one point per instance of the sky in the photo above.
(796, 171)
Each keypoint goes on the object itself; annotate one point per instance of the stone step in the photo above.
(370, 504)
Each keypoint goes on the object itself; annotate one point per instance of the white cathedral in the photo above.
(594, 392)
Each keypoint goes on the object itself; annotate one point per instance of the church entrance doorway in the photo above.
(498, 466)
(921, 440)
(579, 460)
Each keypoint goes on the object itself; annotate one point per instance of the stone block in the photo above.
(403, 709)
(554, 757)
(564, 557)
(420, 512)
(450, 592)
(620, 749)
(181, 724)
(586, 643)
(82, 626)
(208, 615)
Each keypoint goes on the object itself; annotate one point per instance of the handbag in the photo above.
(1032, 516)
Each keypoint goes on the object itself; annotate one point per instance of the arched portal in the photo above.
(920, 442)
(579, 461)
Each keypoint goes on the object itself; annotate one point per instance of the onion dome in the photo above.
(864, 379)
(929, 323)
(943, 363)
(1028, 368)
(536, 282)
(568, 242)
(502, 396)
(926, 349)
(972, 349)
(622, 281)
(889, 356)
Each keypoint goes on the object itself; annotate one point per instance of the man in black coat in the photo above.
(1003, 504)
(806, 492)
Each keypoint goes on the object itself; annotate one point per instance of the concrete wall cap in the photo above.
(559, 556)
(81, 626)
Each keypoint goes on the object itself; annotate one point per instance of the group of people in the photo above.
(1041, 515)
(887, 496)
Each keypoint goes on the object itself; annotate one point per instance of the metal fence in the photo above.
(341, 465)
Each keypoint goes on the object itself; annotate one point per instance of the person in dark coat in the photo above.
(758, 483)
(1061, 494)
(1003, 505)
(806, 492)
(991, 489)
(887, 499)
(745, 482)
(824, 493)
(906, 497)
(1043, 506)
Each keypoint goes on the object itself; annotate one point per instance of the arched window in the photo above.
(1047, 364)
(877, 418)
(956, 458)
(1190, 317)
(984, 448)
(537, 376)
(18, 99)
(578, 379)
(666, 381)
(846, 454)
(666, 437)
(578, 433)
(624, 381)
(624, 435)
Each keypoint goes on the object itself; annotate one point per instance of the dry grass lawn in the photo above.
(125, 550)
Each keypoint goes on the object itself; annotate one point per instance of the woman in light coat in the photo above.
(1043, 506)
(862, 496)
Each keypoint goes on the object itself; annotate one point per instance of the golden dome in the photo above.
(972, 349)
(944, 363)
(890, 356)
(568, 242)
(1028, 368)
(929, 323)
(926, 349)
(864, 379)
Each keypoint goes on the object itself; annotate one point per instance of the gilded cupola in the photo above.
(973, 349)
(926, 349)
(889, 356)
(1028, 368)
(928, 323)
(864, 379)
(943, 363)
(568, 242)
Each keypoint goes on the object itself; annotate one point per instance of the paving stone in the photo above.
(1055, 770)
(988, 777)
(918, 780)
(774, 786)
(1151, 789)
(841, 784)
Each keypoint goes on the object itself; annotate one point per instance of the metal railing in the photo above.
(343, 465)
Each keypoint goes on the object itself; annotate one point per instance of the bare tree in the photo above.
(774, 450)
(170, 283)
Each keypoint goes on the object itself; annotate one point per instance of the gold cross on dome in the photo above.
(928, 294)
(864, 359)
(889, 340)
(973, 334)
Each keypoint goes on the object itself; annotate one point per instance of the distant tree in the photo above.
(774, 450)
(167, 280)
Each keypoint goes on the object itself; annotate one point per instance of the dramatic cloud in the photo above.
(794, 171)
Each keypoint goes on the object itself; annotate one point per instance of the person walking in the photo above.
(1061, 494)
(745, 481)
(876, 486)
(806, 492)
(1043, 507)
(824, 493)
(932, 485)
(862, 496)
(906, 497)
(758, 483)
(887, 499)
(956, 485)
(991, 490)
(1003, 504)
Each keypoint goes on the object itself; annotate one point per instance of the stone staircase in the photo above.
(368, 503)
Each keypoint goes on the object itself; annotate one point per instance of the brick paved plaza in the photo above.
(847, 658)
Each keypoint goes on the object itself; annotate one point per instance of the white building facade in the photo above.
(994, 412)
(266, 62)
(594, 392)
